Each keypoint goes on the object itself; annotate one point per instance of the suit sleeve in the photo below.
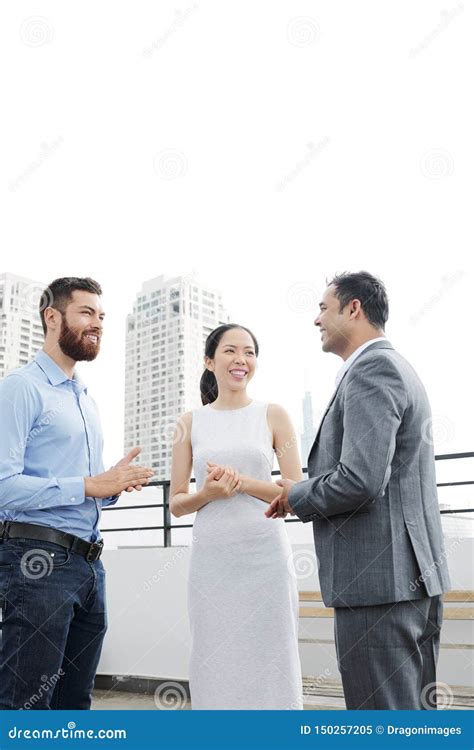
(375, 399)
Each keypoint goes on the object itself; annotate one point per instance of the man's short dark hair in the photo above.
(368, 289)
(59, 293)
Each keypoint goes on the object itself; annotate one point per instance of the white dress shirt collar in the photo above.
(350, 360)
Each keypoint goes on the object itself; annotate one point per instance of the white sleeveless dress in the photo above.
(242, 593)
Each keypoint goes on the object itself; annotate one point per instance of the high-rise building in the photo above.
(21, 333)
(165, 338)
(309, 429)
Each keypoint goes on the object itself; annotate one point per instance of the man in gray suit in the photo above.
(373, 502)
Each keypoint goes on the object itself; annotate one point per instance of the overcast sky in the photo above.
(264, 146)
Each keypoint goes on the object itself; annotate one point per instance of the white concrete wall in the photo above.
(149, 634)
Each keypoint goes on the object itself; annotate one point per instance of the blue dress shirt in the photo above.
(50, 439)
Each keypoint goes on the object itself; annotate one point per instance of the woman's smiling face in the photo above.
(235, 360)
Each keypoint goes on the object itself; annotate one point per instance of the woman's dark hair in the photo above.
(59, 293)
(368, 289)
(208, 384)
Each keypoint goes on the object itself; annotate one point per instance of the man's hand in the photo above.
(120, 477)
(125, 461)
(280, 507)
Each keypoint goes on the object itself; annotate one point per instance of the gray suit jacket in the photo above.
(372, 492)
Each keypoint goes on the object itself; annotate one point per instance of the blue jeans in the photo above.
(53, 625)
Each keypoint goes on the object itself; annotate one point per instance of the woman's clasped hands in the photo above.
(221, 482)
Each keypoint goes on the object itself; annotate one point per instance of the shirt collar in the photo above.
(54, 373)
(342, 370)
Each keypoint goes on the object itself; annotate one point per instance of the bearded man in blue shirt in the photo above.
(52, 490)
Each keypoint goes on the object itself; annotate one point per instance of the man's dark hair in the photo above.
(368, 289)
(59, 293)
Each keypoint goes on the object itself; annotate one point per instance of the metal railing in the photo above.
(167, 526)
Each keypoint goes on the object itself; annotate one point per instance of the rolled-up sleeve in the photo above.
(110, 500)
(100, 470)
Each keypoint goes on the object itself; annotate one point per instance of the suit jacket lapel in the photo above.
(324, 417)
(377, 345)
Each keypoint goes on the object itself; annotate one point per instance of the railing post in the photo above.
(166, 515)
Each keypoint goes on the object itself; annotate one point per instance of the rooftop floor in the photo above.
(315, 699)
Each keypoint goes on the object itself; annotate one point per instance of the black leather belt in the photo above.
(13, 530)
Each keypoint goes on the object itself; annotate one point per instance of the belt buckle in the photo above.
(94, 552)
(4, 526)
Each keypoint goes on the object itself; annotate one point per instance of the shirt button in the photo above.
(72, 499)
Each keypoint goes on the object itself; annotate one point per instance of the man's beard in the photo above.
(77, 346)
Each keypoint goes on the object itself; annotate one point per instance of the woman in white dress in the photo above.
(242, 594)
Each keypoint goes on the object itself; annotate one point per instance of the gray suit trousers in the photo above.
(387, 653)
